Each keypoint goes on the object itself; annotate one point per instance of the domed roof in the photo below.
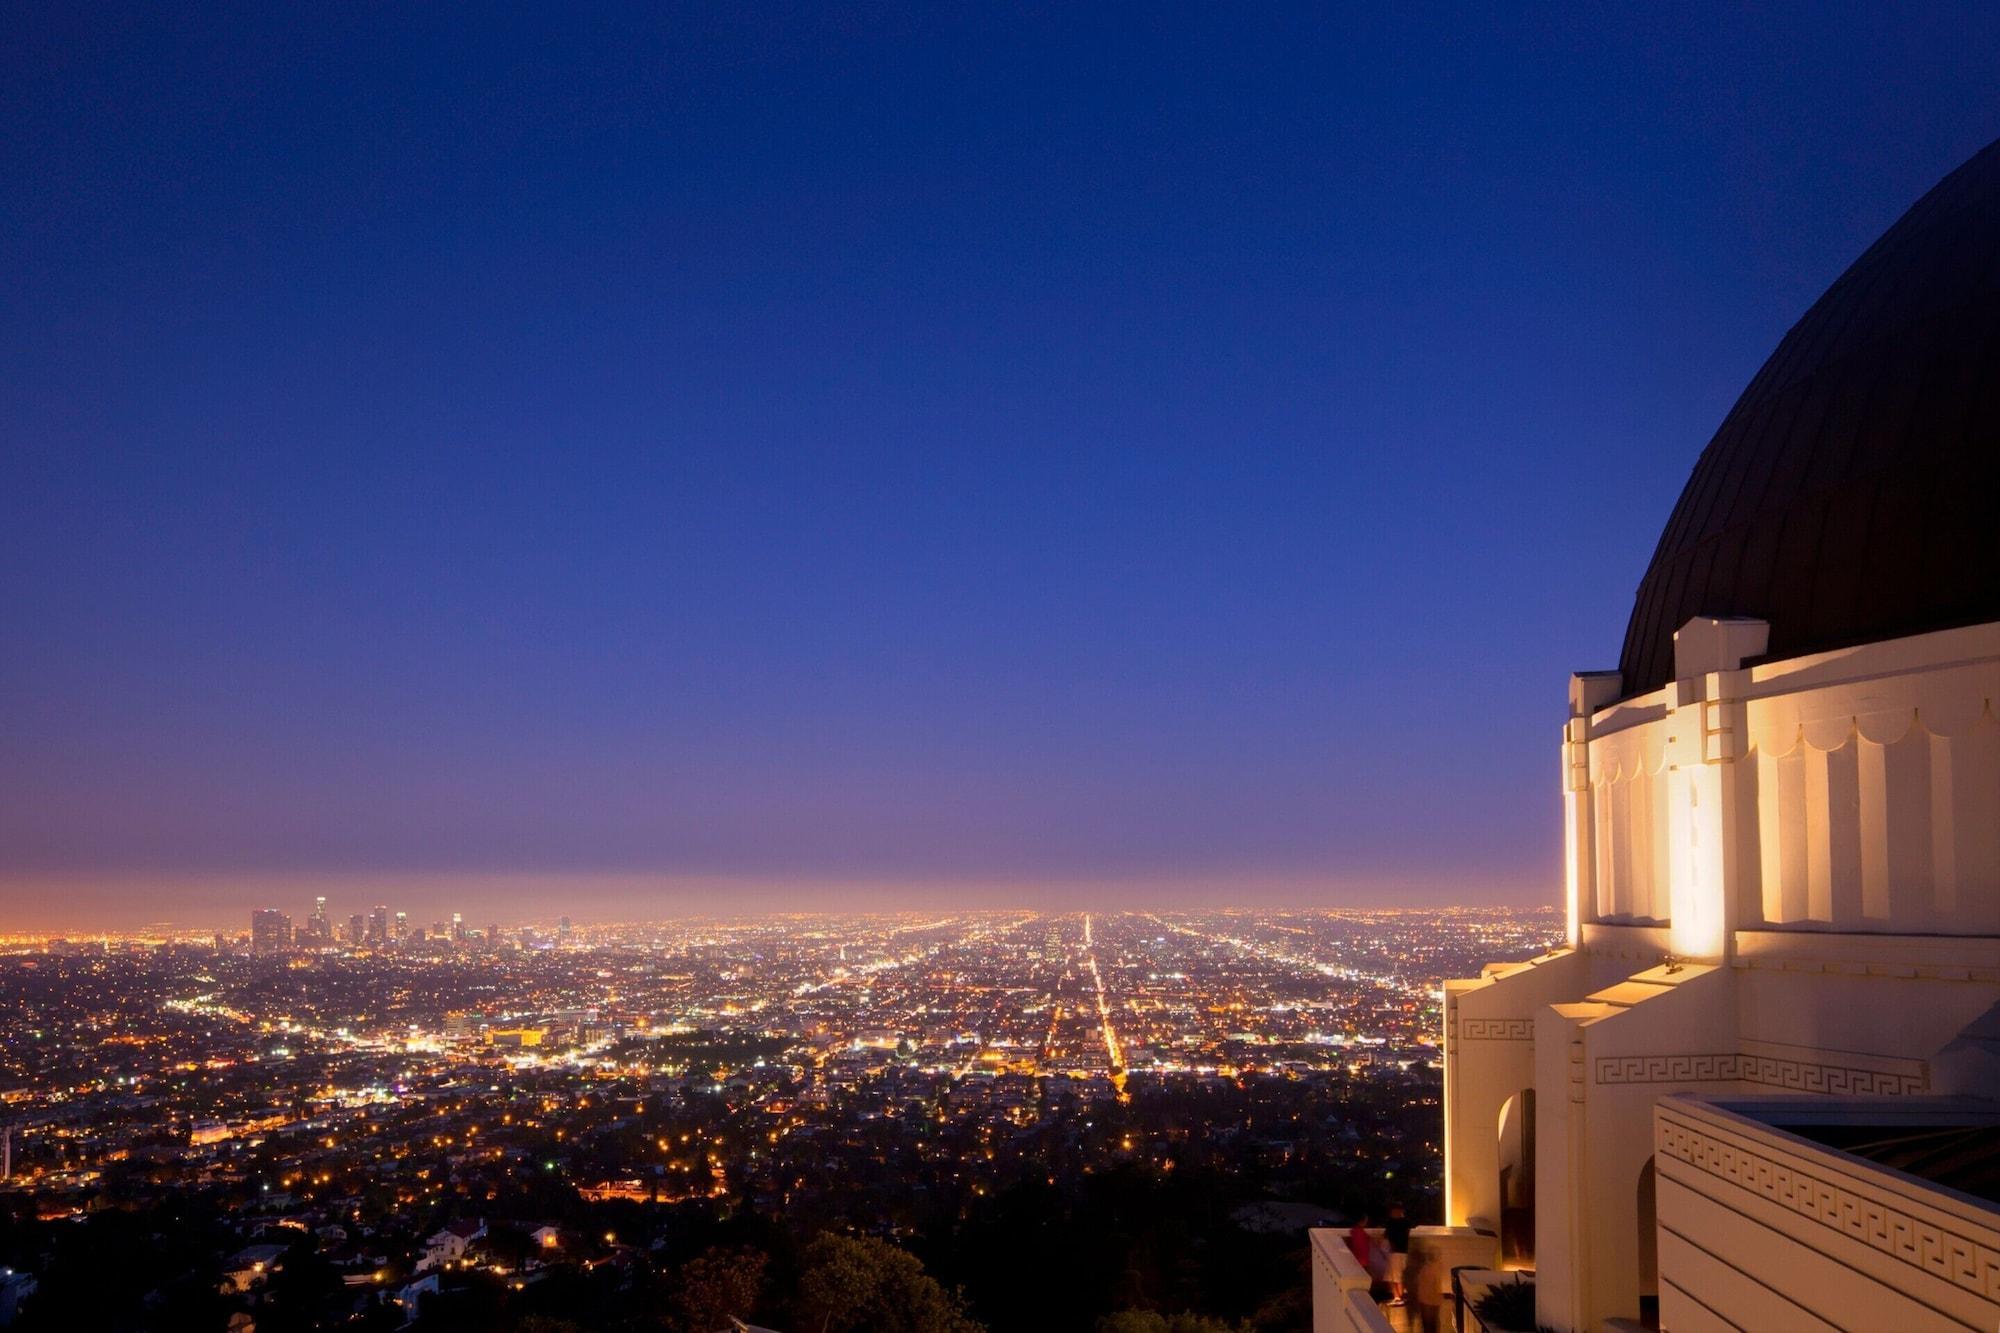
(1853, 492)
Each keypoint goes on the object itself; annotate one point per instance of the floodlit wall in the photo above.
(1856, 790)
(1601, 1063)
(1866, 792)
(1856, 1014)
(1872, 801)
(1489, 1057)
(1631, 834)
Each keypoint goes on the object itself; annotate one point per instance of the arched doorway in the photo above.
(1649, 1246)
(1517, 1180)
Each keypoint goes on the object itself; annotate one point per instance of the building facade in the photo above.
(270, 932)
(1752, 1088)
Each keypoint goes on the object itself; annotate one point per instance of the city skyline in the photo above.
(826, 460)
(530, 901)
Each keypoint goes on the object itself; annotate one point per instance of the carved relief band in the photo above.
(1961, 1260)
(1770, 1070)
(1667, 1068)
(1497, 1029)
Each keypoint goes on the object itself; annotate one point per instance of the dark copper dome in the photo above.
(1853, 492)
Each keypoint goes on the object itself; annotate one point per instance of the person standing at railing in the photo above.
(1396, 1236)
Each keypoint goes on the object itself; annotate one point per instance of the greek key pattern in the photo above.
(1960, 1260)
(1666, 1068)
(1497, 1029)
(1812, 1076)
(1772, 1071)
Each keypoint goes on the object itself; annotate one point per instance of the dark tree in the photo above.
(851, 1284)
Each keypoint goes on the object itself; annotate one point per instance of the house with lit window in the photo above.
(449, 1243)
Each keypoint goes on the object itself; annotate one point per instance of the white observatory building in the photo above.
(1752, 1090)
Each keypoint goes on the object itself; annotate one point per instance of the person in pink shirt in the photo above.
(1368, 1252)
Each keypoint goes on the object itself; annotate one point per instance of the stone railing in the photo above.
(1825, 1232)
(1341, 1299)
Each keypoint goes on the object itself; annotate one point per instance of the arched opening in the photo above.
(1517, 1180)
(1649, 1248)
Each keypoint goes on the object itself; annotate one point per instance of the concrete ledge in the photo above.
(1331, 1255)
(1869, 953)
(1342, 1299)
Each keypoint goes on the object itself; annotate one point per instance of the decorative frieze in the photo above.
(1681, 1068)
(1497, 1029)
(1771, 1070)
(1964, 1261)
(1827, 1076)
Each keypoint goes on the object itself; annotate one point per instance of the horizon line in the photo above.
(168, 927)
(123, 901)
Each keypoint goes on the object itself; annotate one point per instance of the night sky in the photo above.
(725, 458)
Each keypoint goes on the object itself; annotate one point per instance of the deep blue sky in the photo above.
(714, 457)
